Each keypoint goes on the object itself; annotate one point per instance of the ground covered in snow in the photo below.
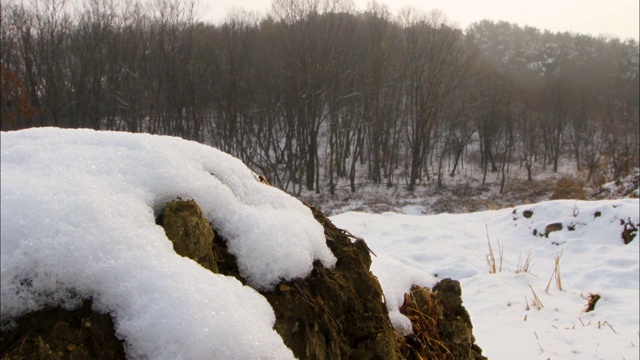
(592, 259)
(78, 212)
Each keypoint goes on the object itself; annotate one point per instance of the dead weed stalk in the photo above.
(491, 259)
(592, 299)
(524, 265)
(536, 300)
(555, 274)
(421, 307)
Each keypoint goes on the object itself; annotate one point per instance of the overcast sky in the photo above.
(617, 18)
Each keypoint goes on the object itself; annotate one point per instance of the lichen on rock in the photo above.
(188, 229)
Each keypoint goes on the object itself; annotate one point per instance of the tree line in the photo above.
(316, 92)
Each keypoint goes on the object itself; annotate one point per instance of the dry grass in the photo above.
(536, 303)
(555, 274)
(491, 259)
(569, 188)
(421, 308)
(600, 324)
(524, 265)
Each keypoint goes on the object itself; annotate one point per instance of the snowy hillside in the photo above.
(592, 259)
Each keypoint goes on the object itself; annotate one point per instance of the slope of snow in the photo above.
(593, 259)
(78, 220)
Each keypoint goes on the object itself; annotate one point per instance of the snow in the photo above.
(593, 259)
(78, 220)
(396, 279)
(78, 214)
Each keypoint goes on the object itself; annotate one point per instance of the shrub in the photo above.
(569, 188)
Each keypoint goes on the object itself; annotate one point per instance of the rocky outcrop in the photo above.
(455, 326)
(335, 313)
(441, 325)
(332, 314)
(339, 314)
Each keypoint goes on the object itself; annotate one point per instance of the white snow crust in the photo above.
(78, 221)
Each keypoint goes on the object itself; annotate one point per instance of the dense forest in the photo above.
(316, 92)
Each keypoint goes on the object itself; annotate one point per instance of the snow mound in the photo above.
(78, 221)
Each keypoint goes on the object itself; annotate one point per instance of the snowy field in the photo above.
(507, 325)
(78, 221)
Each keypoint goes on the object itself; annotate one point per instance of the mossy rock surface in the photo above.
(188, 229)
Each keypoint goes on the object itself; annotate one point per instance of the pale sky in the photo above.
(617, 18)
